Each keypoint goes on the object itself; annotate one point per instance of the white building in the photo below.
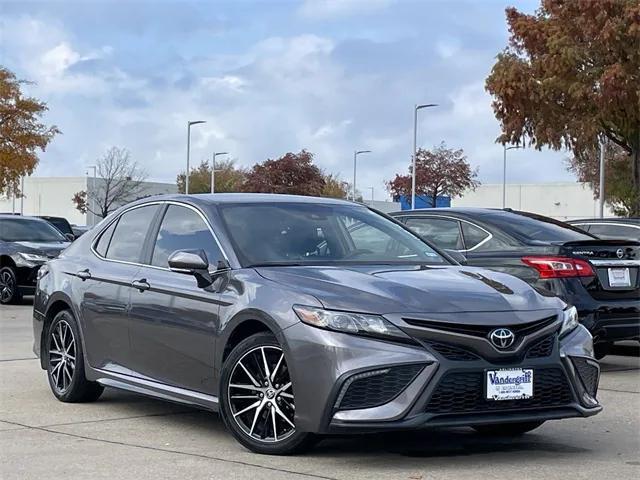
(53, 196)
(563, 201)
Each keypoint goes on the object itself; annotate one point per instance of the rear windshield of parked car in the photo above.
(536, 227)
(29, 230)
(313, 234)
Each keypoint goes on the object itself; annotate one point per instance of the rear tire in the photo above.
(507, 429)
(9, 292)
(65, 362)
(260, 413)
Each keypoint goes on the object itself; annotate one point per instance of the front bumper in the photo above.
(325, 362)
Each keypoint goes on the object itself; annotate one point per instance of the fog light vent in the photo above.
(376, 387)
(589, 374)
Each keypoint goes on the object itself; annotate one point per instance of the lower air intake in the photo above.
(374, 388)
(589, 374)
(463, 392)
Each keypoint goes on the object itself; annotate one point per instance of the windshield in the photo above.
(28, 230)
(536, 227)
(312, 234)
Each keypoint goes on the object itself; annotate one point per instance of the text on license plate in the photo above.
(619, 277)
(509, 384)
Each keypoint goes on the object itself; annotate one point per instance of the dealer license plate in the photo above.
(510, 384)
(619, 277)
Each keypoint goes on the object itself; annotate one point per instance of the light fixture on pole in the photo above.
(504, 173)
(355, 157)
(91, 208)
(413, 152)
(213, 170)
(186, 177)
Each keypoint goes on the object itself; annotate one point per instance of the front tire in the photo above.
(257, 400)
(65, 362)
(9, 292)
(507, 429)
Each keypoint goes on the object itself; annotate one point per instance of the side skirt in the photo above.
(155, 389)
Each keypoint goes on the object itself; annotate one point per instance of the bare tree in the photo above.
(119, 180)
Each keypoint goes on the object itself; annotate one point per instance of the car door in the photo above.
(106, 286)
(173, 322)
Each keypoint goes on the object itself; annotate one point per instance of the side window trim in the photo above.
(150, 241)
(165, 204)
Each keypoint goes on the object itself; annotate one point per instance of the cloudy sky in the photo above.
(269, 77)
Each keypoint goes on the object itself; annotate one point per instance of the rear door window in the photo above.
(473, 235)
(443, 232)
(130, 233)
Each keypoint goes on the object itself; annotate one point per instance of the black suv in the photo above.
(600, 277)
(26, 243)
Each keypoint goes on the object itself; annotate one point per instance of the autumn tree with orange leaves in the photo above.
(569, 76)
(21, 132)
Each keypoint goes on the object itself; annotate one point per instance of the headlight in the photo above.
(33, 257)
(359, 323)
(570, 320)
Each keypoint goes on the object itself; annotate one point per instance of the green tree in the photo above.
(21, 132)
(571, 73)
(228, 178)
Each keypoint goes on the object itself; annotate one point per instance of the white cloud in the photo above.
(325, 9)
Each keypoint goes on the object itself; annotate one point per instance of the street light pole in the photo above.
(413, 152)
(504, 173)
(186, 178)
(601, 200)
(355, 157)
(213, 170)
(371, 195)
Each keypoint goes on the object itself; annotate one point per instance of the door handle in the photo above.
(84, 274)
(141, 284)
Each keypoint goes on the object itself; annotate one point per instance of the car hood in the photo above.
(399, 289)
(50, 249)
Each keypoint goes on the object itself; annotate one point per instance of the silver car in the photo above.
(296, 317)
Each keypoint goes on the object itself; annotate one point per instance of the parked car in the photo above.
(26, 243)
(610, 228)
(79, 230)
(297, 316)
(599, 277)
(61, 224)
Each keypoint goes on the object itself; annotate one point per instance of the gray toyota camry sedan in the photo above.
(298, 316)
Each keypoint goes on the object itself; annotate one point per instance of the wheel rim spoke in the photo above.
(258, 409)
(62, 356)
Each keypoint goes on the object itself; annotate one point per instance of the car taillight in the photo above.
(559, 267)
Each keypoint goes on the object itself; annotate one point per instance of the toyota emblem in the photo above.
(502, 337)
(620, 253)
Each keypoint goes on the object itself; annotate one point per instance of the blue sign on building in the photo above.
(424, 202)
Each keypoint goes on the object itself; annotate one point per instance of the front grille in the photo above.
(520, 330)
(370, 389)
(450, 352)
(542, 348)
(588, 374)
(463, 392)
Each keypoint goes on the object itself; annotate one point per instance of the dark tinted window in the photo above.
(611, 231)
(60, 223)
(183, 229)
(128, 239)
(443, 232)
(536, 227)
(22, 229)
(105, 238)
(472, 235)
(317, 234)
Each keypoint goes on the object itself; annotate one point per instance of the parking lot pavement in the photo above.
(126, 436)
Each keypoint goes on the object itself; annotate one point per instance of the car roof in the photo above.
(21, 217)
(455, 210)
(229, 198)
(632, 220)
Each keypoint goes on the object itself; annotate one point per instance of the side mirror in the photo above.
(457, 256)
(70, 236)
(192, 262)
